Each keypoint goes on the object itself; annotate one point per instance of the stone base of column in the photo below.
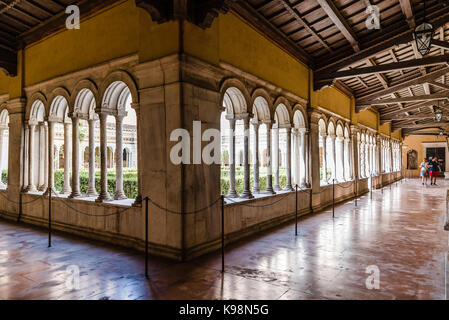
(288, 188)
(246, 194)
(120, 195)
(138, 201)
(53, 191)
(66, 190)
(256, 189)
(232, 194)
(2, 185)
(270, 190)
(31, 188)
(43, 187)
(92, 192)
(104, 196)
(75, 194)
(277, 188)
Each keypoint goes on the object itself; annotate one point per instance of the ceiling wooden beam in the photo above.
(427, 97)
(295, 13)
(440, 44)
(390, 114)
(340, 22)
(439, 85)
(407, 10)
(386, 42)
(405, 84)
(409, 64)
(421, 126)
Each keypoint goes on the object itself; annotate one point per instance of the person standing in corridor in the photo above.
(434, 168)
(424, 171)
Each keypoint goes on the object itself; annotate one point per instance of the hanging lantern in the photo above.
(423, 36)
(438, 114)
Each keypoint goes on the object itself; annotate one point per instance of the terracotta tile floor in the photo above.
(398, 231)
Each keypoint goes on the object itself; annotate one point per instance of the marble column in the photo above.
(31, 160)
(346, 159)
(324, 156)
(2, 130)
(41, 166)
(139, 198)
(91, 191)
(307, 159)
(276, 186)
(334, 157)
(302, 154)
(67, 189)
(26, 158)
(246, 183)
(354, 153)
(119, 193)
(104, 194)
(256, 188)
(269, 188)
(76, 193)
(296, 172)
(51, 158)
(232, 193)
(45, 163)
(340, 156)
(288, 186)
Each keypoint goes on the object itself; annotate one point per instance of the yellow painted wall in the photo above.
(415, 143)
(124, 29)
(242, 46)
(4, 83)
(385, 129)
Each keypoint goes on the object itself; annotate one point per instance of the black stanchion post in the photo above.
(20, 207)
(49, 217)
(355, 192)
(296, 210)
(222, 234)
(333, 198)
(371, 187)
(146, 237)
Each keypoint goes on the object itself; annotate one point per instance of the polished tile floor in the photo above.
(399, 232)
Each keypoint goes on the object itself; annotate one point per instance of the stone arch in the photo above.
(322, 125)
(339, 131)
(59, 109)
(282, 115)
(4, 115)
(282, 101)
(33, 101)
(118, 80)
(262, 93)
(261, 109)
(331, 127)
(236, 84)
(85, 85)
(299, 120)
(299, 108)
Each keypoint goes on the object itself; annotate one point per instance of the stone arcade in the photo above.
(173, 65)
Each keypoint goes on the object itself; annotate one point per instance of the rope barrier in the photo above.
(261, 205)
(185, 212)
(18, 202)
(347, 187)
(89, 214)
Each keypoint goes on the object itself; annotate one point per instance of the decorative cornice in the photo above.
(199, 12)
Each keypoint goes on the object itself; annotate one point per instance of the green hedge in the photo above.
(129, 181)
(239, 179)
(4, 176)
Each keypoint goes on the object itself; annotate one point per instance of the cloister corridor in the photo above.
(400, 231)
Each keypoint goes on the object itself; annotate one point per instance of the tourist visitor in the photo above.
(434, 168)
(424, 171)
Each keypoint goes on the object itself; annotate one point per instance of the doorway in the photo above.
(440, 153)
